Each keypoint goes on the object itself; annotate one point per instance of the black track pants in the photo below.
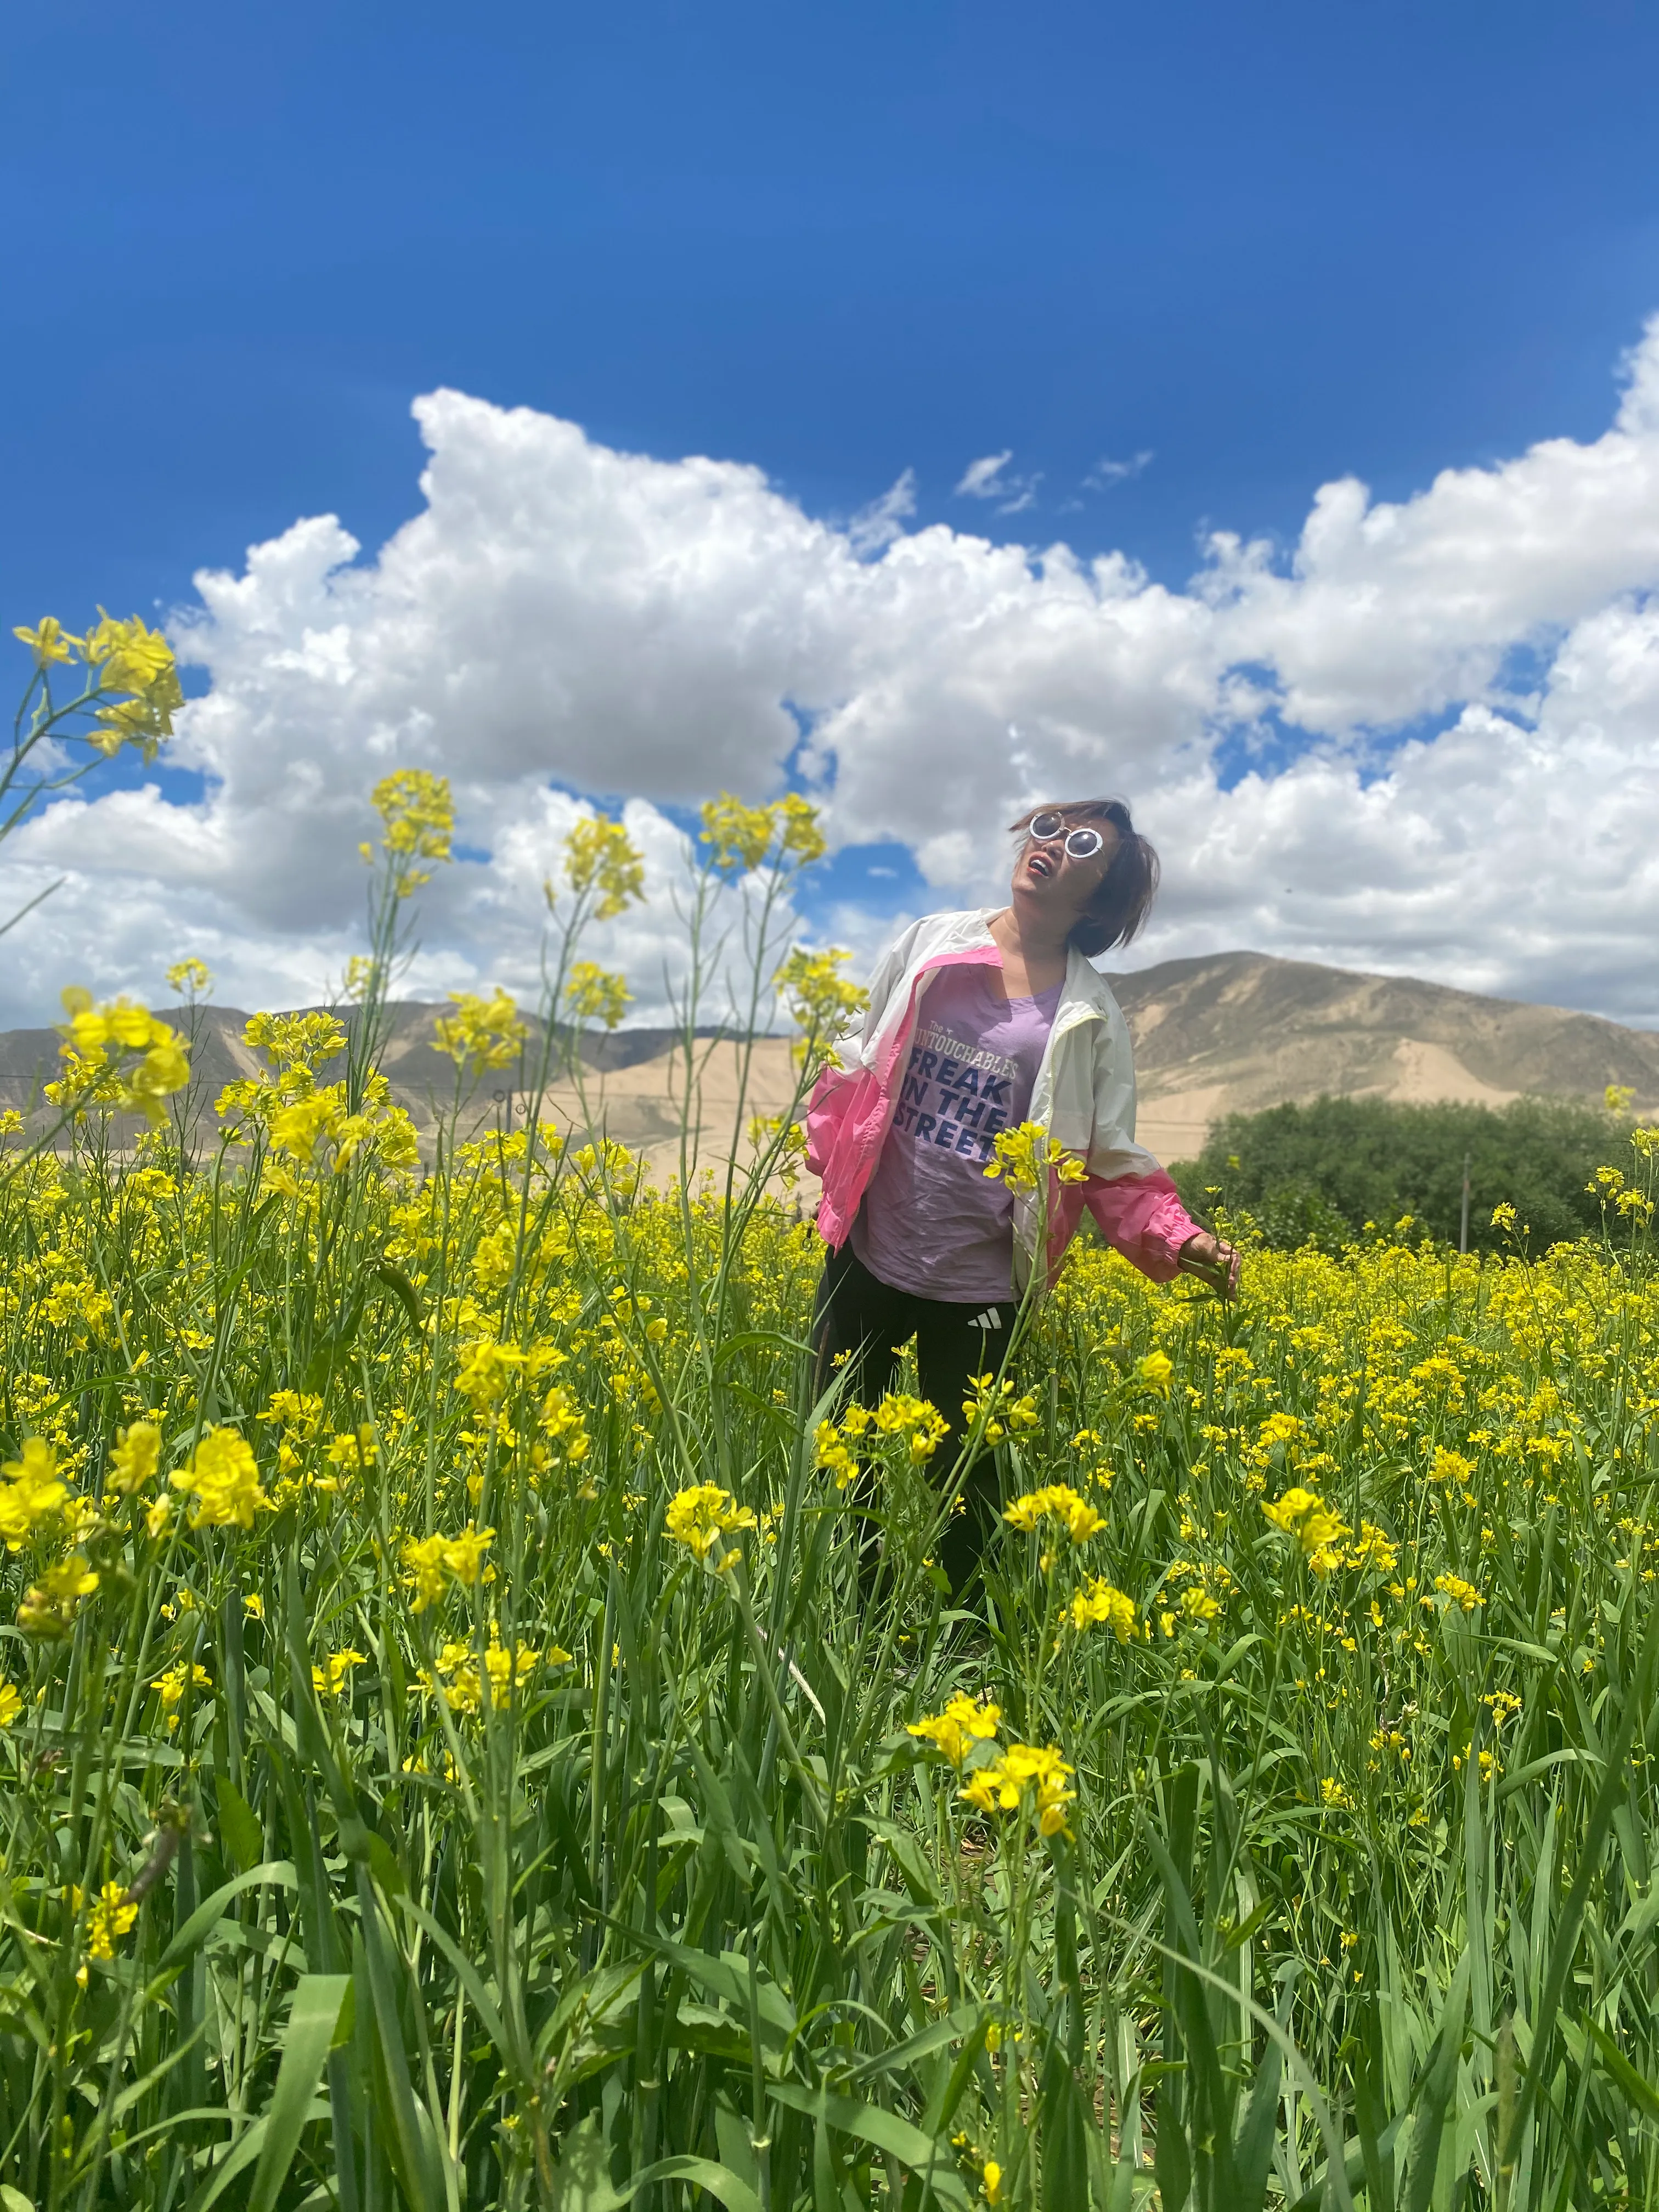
(869, 1321)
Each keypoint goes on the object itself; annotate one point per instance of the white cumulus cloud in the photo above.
(1106, 472)
(875, 527)
(979, 479)
(1465, 685)
(986, 478)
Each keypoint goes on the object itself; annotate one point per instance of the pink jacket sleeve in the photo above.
(1142, 1216)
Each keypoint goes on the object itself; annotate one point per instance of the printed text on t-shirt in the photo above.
(954, 1095)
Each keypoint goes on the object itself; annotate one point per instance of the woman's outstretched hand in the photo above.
(1212, 1261)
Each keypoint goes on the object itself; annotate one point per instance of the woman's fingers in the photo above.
(1213, 1262)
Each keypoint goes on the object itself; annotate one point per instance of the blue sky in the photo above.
(1268, 246)
(1366, 287)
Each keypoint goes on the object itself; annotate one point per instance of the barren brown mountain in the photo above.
(1232, 1032)
(1237, 1030)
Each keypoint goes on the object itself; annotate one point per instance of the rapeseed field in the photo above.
(456, 1754)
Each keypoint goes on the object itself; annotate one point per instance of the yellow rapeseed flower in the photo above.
(50, 1605)
(466, 1685)
(994, 1405)
(135, 1457)
(425, 1572)
(738, 835)
(480, 1033)
(190, 978)
(484, 1369)
(1026, 1775)
(833, 1454)
(1463, 1595)
(1303, 1515)
(170, 1687)
(1373, 1550)
(1028, 1156)
(964, 1723)
(354, 1449)
(1057, 1502)
(820, 1000)
(593, 993)
(927, 1428)
(296, 1041)
(32, 1491)
(1198, 1607)
(420, 821)
(600, 856)
(130, 657)
(112, 1915)
(97, 1042)
(223, 1478)
(464, 1554)
(563, 1426)
(48, 640)
(1100, 1602)
(699, 1517)
(799, 833)
(333, 1676)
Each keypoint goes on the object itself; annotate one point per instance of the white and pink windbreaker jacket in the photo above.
(1085, 1097)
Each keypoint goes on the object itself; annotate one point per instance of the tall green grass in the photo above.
(666, 1902)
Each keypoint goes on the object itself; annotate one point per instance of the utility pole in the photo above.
(1464, 1231)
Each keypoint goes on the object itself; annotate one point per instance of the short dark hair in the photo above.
(1118, 910)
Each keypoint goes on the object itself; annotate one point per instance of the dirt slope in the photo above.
(1239, 1031)
(1232, 1032)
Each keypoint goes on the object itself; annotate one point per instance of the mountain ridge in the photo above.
(1233, 1032)
(1214, 1033)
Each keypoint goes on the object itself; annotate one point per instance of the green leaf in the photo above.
(958, 2024)
(384, 1867)
(413, 2145)
(238, 2160)
(1253, 2152)
(1614, 1783)
(312, 2023)
(905, 2142)
(240, 1831)
(1064, 2134)
(581, 2181)
(703, 2173)
(1435, 2094)
(1641, 2093)
(405, 1292)
(483, 2003)
(728, 1976)
(208, 1915)
(1246, 1929)
(942, 2107)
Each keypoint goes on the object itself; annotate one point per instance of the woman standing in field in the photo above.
(979, 1021)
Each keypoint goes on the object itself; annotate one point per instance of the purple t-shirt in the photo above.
(932, 1222)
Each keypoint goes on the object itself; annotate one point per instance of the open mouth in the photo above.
(1039, 864)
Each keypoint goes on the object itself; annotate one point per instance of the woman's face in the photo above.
(1055, 885)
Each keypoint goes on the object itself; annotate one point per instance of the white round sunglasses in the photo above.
(1081, 843)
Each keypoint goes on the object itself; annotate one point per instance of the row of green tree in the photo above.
(1330, 1172)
